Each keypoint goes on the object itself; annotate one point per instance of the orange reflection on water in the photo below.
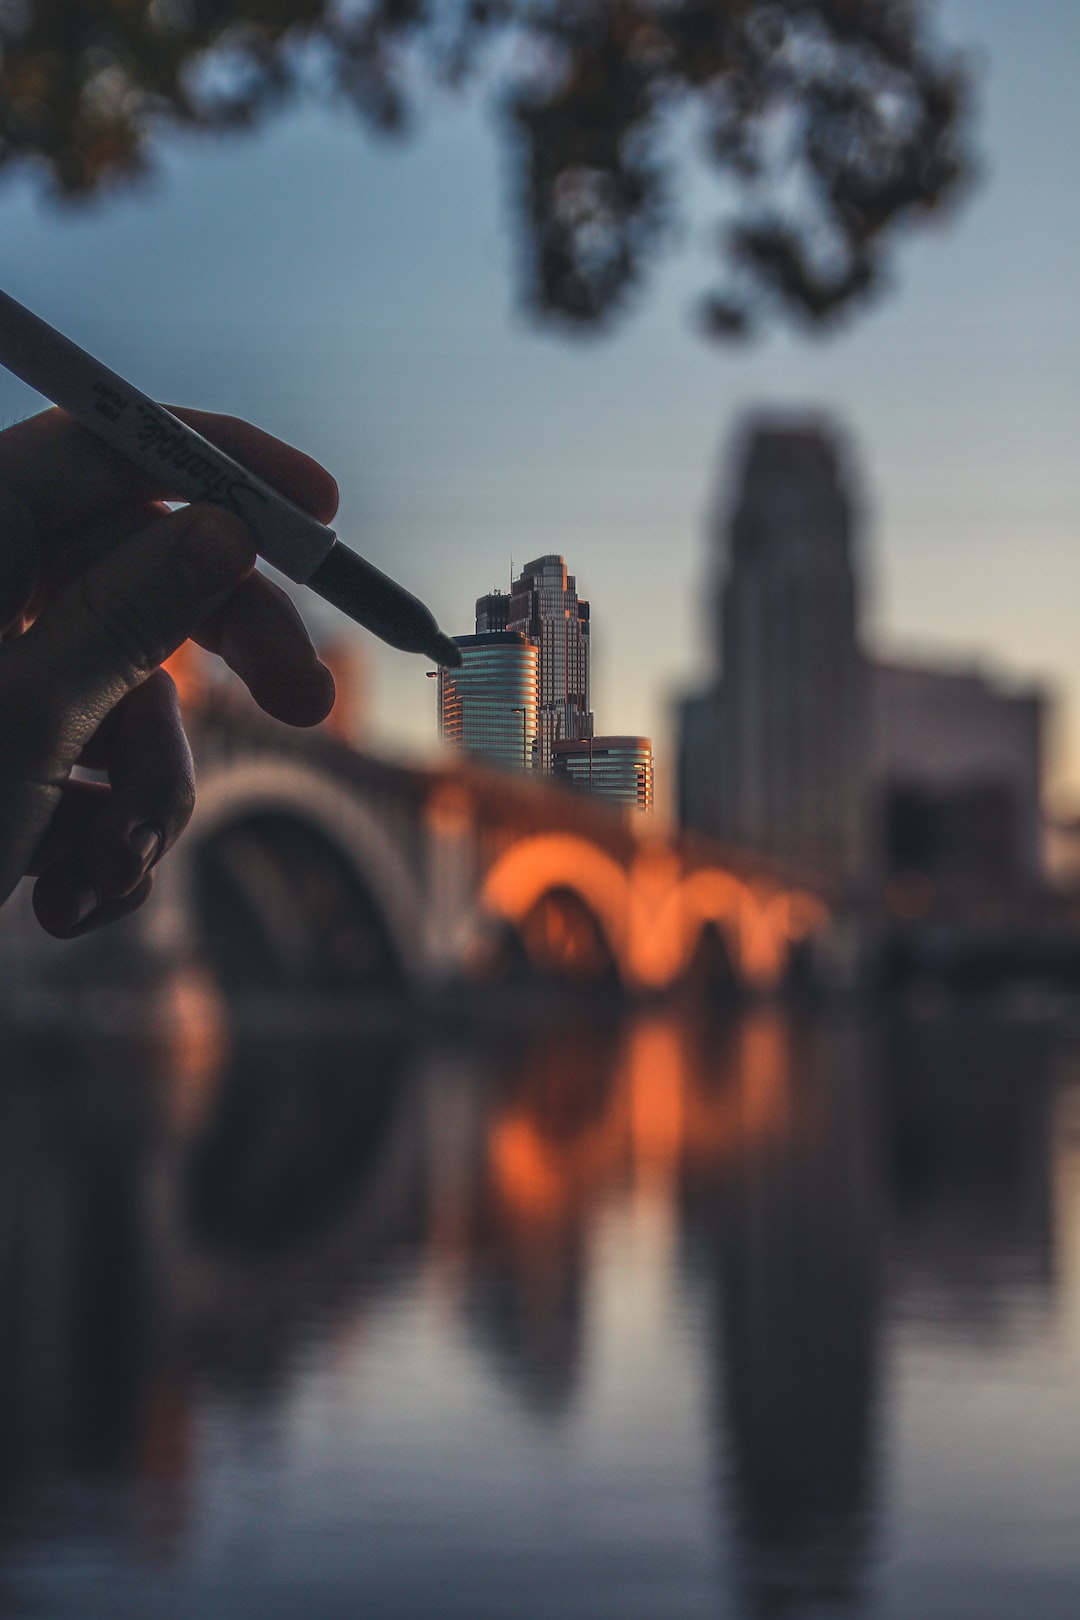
(191, 1028)
(655, 1066)
(765, 1101)
(525, 1170)
(667, 1101)
(542, 1184)
(165, 1460)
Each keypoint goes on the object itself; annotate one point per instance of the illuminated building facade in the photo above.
(618, 769)
(489, 705)
(544, 606)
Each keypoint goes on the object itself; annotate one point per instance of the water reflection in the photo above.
(674, 1272)
(792, 1249)
(968, 1134)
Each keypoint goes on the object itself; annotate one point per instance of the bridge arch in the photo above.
(653, 916)
(261, 792)
(758, 924)
(550, 864)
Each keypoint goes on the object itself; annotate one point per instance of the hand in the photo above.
(99, 584)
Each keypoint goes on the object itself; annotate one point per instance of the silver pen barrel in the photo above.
(179, 459)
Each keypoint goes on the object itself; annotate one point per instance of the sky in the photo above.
(358, 298)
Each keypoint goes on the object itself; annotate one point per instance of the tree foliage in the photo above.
(830, 124)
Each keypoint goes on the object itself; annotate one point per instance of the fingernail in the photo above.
(82, 902)
(147, 841)
(214, 552)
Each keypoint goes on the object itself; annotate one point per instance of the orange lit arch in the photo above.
(536, 866)
(652, 918)
(758, 925)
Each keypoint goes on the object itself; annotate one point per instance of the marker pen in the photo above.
(189, 466)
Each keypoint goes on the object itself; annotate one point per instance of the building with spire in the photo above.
(544, 606)
(484, 706)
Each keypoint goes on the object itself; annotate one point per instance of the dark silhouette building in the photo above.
(804, 749)
(774, 756)
(492, 612)
(955, 767)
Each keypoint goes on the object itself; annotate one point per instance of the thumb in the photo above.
(123, 617)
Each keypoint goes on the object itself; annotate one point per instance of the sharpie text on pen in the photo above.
(173, 446)
(109, 401)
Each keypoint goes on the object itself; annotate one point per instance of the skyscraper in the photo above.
(492, 612)
(544, 606)
(618, 769)
(488, 706)
(774, 757)
(812, 752)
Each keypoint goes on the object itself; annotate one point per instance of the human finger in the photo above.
(260, 635)
(67, 476)
(86, 543)
(18, 562)
(258, 632)
(79, 804)
(104, 839)
(66, 903)
(116, 623)
(292, 471)
(152, 781)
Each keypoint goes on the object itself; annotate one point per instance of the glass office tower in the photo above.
(545, 607)
(618, 769)
(489, 705)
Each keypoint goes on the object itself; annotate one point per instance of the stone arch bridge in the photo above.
(310, 865)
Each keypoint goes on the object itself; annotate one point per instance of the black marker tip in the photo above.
(446, 652)
(382, 606)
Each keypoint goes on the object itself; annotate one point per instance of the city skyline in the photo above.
(361, 305)
(529, 662)
(806, 747)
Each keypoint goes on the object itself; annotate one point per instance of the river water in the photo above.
(648, 1317)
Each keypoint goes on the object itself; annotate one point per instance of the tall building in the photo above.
(806, 750)
(489, 705)
(618, 769)
(492, 612)
(544, 606)
(774, 756)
